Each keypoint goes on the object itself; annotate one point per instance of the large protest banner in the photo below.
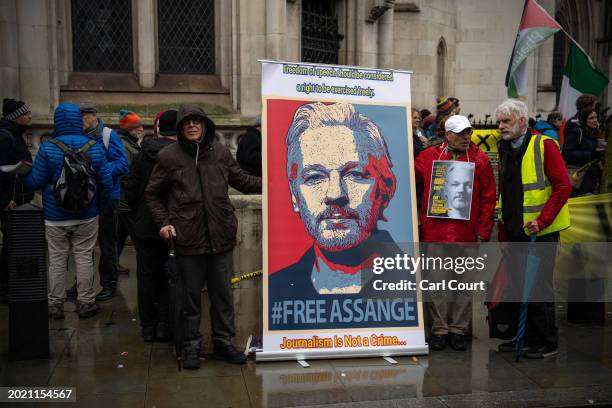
(338, 201)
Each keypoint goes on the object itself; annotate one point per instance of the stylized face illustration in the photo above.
(458, 189)
(335, 187)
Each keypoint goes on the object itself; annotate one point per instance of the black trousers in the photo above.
(124, 229)
(4, 273)
(152, 258)
(541, 325)
(216, 272)
(107, 239)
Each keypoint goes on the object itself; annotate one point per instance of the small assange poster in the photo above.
(338, 201)
(450, 195)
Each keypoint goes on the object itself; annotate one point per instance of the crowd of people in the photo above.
(101, 185)
(582, 138)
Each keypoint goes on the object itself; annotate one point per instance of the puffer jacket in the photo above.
(480, 223)
(546, 129)
(135, 182)
(189, 190)
(47, 167)
(13, 149)
(115, 156)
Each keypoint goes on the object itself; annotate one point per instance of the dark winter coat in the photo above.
(13, 149)
(134, 185)
(580, 145)
(248, 154)
(188, 189)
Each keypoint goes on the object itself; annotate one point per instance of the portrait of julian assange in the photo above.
(451, 192)
(341, 180)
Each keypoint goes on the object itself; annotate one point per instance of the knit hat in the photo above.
(167, 123)
(444, 106)
(128, 120)
(12, 109)
(88, 108)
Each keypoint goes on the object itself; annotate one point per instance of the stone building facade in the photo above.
(162, 52)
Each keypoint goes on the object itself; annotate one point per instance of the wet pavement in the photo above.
(108, 363)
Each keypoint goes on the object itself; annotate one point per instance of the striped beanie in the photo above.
(12, 109)
(444, 106)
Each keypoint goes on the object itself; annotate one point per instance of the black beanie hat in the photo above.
(12, 109)
(167, 123)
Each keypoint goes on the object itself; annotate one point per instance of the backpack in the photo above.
(75, 189)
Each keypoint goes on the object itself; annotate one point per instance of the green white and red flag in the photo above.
(536, 26)
(580, 76)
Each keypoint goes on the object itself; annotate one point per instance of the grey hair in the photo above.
(316, 115)
(513, 107)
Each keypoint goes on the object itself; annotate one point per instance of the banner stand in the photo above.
(329, 354)
(338, 203)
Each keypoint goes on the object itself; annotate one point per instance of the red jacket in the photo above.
(480, 223)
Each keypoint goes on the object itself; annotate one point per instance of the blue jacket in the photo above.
(115, 155)
(546, 129)
(47, 167)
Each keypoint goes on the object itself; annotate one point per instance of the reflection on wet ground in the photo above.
(106, 360)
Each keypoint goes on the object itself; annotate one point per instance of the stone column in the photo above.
(54, 85)
(252, 46)
(225, 42)
(546, 96)
(63, 39)
(36, 83)
(385, 39)
(276, 29)
(293, 29)
(235, 58)
(9, 51)
(145, 17)
(366, 45)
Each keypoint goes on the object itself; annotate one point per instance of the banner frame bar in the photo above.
(344, 353)
(402, 71)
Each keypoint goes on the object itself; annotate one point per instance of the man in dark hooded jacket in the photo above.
(151, 250)
(187, 196)
(248, 154)
(16, 118)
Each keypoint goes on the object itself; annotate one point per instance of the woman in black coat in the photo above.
(582, 146)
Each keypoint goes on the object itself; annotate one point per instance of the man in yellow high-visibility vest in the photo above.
(533, 191)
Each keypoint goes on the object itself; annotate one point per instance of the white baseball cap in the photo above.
(457, 124)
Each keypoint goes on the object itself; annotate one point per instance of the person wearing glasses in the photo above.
(467, 172)
(188, 198)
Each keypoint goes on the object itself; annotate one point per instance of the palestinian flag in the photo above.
(580, 76)
(536, 26)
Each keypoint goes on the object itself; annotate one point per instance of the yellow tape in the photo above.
(247, 276)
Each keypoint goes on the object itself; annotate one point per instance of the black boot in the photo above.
(106, 294)
(148, 334)
(227, 352)
(162, 333)
(191, 355)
